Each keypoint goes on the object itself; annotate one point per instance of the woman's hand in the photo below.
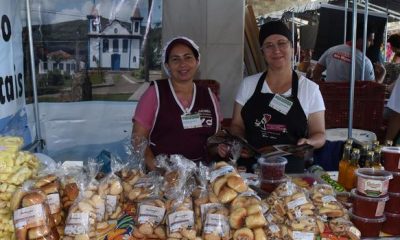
(223, 150)
(302, 141)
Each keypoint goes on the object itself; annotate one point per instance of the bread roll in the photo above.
(243, 234)
(227, 194)
(38, 232)
(33, 198)
(237, 217)
(71, 190)
(45, 180)
(259, 234)
(52, 187)
(237, 183)
(255, 221)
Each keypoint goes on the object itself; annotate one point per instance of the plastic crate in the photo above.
(368, 106)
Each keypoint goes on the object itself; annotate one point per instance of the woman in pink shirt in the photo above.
(176, 115)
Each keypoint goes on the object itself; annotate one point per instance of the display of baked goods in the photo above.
(219, 206)
(16, 167)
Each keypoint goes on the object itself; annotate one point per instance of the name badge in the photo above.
(281, 104)
(191, 121)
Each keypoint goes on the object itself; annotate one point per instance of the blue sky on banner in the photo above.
(56, 11)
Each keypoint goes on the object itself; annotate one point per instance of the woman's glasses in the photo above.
(270, 47)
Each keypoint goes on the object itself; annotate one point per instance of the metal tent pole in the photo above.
(364, 39)
(346, 6)
(385, 32)
(293, 41)
(353, 72)
(35, 97)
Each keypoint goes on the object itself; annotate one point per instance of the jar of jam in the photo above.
(393, 205)
(391, 158)
(272, 168)
(369, 227)
(270, 185)
(394, 184)
(368, 207)
(392, 223)
(373, 182)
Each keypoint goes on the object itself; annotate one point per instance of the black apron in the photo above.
(267, 126)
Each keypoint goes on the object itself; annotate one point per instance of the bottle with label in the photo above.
(344, 163)
(351, 177)
(375, 144)
(363, 154)
(377, 158)
(349, 141)
(369, 159)
(388, 143)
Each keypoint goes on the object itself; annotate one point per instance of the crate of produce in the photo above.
(369, 98)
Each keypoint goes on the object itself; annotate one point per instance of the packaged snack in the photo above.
(180, 218)
(215, 222)
(50, 185)
(226, 182)
(31, 214)
(111, 188)
(323, 197)
(87, 213)
(150, 219)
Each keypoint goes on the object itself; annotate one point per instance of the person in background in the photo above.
(277, 106)
(305, 62)
(175, 114)
(393, 129)
(392, 66)
(337, 61)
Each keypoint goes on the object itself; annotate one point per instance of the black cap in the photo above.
(274, 27)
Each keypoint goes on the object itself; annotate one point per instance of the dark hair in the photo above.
(394, 40)
(274, 27)
(360, 30)
(180, 41)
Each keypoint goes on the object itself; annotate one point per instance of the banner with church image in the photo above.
(96, 49)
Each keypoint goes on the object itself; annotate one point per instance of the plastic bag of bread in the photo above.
(111, 188)
(11, 143)
(276, 231)
(226, 182)
(275, 215)
(70, 178)
(323, 197)
(89, 206)
(48, 182)
(97, 197)
(180, 217)
(135, 148)
(177, 171)
(298, 205)
(31, 214)
(247, 211)
(344, 227)
(147, 186)
(283, 190)
(150, 218)
(215, 222)
(203, 196)
(129, 176)
(307, 226)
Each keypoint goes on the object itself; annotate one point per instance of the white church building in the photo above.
(114, 47)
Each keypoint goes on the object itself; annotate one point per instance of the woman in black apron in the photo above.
(272, 113)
